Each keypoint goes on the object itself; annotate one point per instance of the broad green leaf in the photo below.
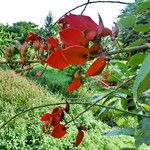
(142, 81)
(136, 59)
(142, 28)
(123, 131)
(143, 7)
(137, 42)
(127, 21)
(143, 139)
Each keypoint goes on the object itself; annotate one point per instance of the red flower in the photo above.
(51, 123)
(76, 55)
(57, 60)
(97, 67)
(75, 84)
(86, 25)
(81, 22)
(59, 131)
(53, 42)
(73, 36)
(80, 135)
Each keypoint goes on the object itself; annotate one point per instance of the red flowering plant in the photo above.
(80, 43)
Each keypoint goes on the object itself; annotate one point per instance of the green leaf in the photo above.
(137, 42)
(127, 21)
(136, 59)
(143, 7)
(123, 131)
(142, 28)
(142, 81)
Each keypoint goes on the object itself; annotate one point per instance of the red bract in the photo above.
(73, 36)
(75, 84)
(57, 60)
(76, 55)
(59, 131)
(80, 135)
(53, 42)
(97, 67)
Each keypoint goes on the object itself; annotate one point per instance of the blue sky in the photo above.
(36, 10)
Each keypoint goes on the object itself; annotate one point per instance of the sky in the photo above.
(12, 11)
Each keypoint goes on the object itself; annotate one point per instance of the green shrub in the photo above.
(17, 93)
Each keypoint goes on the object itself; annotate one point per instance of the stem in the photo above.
(72, 103)
(85, 7)
(105, 96)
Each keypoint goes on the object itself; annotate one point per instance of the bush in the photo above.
(17, 93)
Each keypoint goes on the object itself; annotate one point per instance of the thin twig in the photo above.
(93, 2)
(85, 7)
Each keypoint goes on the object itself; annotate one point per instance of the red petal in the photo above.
(75, 84)
(57, 60)
(95, 48)
(97, 67)
(53, 41)
(79, 137)
(59, 131)
(72, 36)
(76, 55)
(18, 71)
(106, 32)
(91, 34)
(81, 22)
(46, 117)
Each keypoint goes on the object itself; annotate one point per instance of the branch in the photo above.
(85, 7)
(131, 49)
(105, 96)
(126, 50)
(72, 103)
(18, 61)
(93, 2)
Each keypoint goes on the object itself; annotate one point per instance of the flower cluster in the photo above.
(52, 124)
(79, 42)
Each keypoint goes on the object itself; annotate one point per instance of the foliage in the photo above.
(86, 48)
(134, 23)
(24, 132)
